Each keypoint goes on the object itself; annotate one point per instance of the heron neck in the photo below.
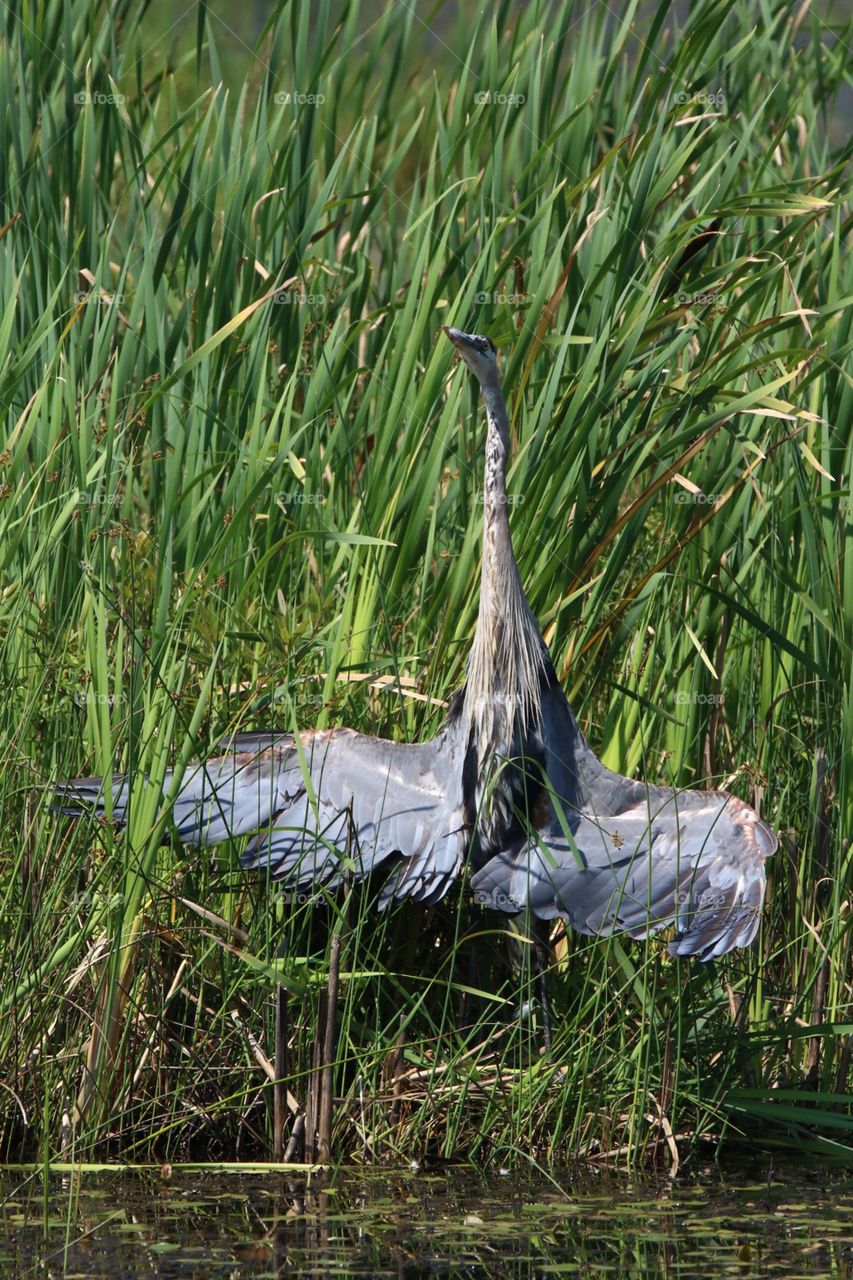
(500, 572)
(508, 655)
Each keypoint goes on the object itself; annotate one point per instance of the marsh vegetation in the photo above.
(239, 490)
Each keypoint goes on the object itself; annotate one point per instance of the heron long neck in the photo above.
(508, 656)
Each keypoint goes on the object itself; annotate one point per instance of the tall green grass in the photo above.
(239, 488)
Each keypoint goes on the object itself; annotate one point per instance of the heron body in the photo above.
(508, 787)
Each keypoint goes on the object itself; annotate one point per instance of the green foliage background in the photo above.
(239, 488)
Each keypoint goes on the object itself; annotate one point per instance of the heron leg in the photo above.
(532, 966)
(541, 952)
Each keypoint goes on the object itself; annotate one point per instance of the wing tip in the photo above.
(712, 939)
(77, 797)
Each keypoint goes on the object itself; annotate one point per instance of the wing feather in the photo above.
(694, 861)
(334, 801)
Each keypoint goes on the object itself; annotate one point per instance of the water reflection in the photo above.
(239, 1225)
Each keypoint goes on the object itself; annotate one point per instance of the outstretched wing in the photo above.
(692, 859)
(319, 805)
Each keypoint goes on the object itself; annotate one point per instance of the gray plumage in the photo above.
(509, 786)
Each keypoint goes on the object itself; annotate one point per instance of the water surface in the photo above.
(451, 1223)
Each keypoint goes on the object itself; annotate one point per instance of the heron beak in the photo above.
(456, 336)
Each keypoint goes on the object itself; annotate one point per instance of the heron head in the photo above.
(478, 353)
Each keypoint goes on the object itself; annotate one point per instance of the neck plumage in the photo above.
(508, 657)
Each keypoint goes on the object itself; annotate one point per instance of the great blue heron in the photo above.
(509, 787)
